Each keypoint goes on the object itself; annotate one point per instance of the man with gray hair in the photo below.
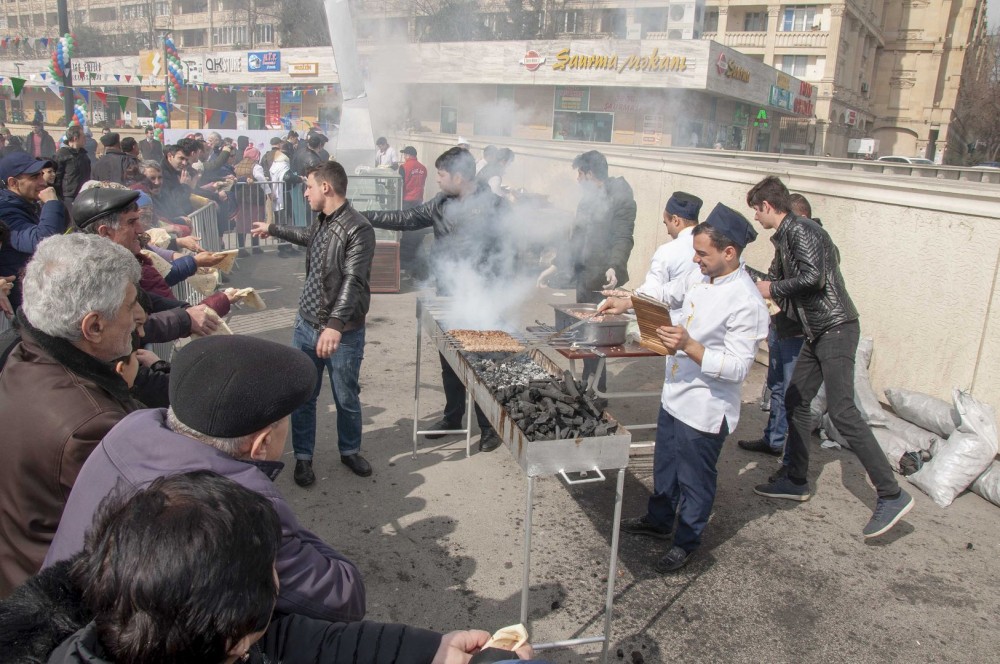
(230, 402)
(59, 391)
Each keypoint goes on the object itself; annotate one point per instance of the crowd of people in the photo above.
(114, 455)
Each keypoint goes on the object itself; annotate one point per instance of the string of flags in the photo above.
(17, 83)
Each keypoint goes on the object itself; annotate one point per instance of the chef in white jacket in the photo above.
(722, 318)
(674, 259)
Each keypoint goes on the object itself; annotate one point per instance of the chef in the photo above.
(722, 319)
(674, 259)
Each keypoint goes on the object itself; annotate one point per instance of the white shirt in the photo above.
(672, 260)
(387, 158)
(727, 317)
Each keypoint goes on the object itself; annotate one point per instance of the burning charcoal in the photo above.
(565, 409)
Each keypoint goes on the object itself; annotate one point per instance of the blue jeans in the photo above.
(684, 478)
(344, 367)
(782, 354)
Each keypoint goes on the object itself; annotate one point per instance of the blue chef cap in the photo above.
(732, 224)
(684, 205)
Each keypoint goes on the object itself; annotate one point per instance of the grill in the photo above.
(586, 456)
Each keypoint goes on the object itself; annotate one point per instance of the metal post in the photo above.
(166, 79)
(63, 17)
(468, 421)
(416, 381)
(526, 574)
(613, 567)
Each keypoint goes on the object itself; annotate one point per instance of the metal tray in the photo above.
(607, 332)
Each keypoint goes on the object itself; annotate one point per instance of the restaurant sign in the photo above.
(730, 69)
(567, 60)
(264, 61)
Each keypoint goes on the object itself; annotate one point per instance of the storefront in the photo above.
(684, 93)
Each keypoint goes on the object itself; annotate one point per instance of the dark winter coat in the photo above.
(347, 264)
(27, 227)
(316, 580)
(45, 620)
(56, 404)
(72, 170)
(116, 166)
(806, 275)
(48, 145)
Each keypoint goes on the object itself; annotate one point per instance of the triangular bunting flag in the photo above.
(118, 78)
(44, 41)
(17, 84)
(145, 102)
(138, 76)
(128, 78)
(54, 89)
(84, 93)
(123, 102)
(179, 107)
(103, 96)
(222, 118)
(208, 115)
(42, 75)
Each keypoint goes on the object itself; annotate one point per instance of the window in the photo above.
(794, 65)
(798, 19)
(3, 22)
(193, 37)
(449, 120)
(162, 8)
(229, 34)
(264, 34)
(103, 14)
(38, 20)
(566, 21)
(581, 126)
(11, 21)
(79, 15)
(190, 6)
(711, 20)
(135, 11)
(614, 22)
(755, 22)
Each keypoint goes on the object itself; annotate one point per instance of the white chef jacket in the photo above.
(729, 318)
(387, 158)
(672, 260)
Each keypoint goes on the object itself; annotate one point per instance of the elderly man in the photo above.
(59, 391)
(19, 209)
(330, 327)
(114, 214)
(722, 319)
(230, 416)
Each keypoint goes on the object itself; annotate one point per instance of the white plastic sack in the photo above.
(832, 433)
(919, 439)
(893, 445)
(927, 412)
(987, 485)
(964, 456)
(864, 396)
(817, 407)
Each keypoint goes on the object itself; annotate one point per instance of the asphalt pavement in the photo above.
(439, 537)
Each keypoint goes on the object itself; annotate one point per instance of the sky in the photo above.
(993, 14)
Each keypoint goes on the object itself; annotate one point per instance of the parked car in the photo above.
(988, 164)
(915, 161)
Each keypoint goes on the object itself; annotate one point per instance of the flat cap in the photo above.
(97, 203)
(684, 205)
(233, 385)
(732, 224)
(107, 140)
(410, 150)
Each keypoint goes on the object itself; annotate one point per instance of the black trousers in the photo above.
(454, 398)
(830, 359)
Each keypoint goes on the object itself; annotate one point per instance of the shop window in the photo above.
(794, 65)
(566, 21)
(449, 120)
(755, 22)
(592, 127)
(711, 20)
(798, 18)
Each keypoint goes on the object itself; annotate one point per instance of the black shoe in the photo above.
(358, 465)
(759, 445)
(442, 425)
(675, 559)
(304, 475)
(641, 525)
(782, 471)
(489, 441)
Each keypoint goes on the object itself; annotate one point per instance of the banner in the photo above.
(272, 109)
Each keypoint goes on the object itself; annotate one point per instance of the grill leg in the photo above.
(613, 570)
(468, 422)
(416, 382)
(526, 574)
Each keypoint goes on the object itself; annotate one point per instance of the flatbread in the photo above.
(248, 296)
(486, 341)
(161, 264)
(159, 237)
(508, 638)
(204, 280)
(228, 262)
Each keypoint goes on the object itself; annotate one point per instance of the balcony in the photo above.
(738, 40)
(812, 39)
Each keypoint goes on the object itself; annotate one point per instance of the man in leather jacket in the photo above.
(466, 217)
(330, 326)
(805, 280)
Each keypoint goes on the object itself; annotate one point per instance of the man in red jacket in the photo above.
(414, 176)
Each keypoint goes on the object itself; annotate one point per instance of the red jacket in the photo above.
(414, 176)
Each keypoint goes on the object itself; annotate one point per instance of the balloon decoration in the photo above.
(160, 121)
(79, 114)
(61, 57)
(175, 71)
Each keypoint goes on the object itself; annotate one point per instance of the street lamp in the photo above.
(19, 65)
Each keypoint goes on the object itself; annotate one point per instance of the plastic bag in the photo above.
(894, 446)
(927, 412)
(864, 396)
(987, 484)
(817, 407)
(962, 458)
(919, 439)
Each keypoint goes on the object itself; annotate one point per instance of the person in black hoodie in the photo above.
(115, 165)
(72, 165)
(204, 592)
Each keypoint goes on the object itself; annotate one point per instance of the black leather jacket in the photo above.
(347, 264)
(806, 275)
(468, 231)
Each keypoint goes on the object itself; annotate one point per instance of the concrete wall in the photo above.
(920, 255)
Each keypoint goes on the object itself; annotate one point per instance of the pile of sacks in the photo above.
(943, 448)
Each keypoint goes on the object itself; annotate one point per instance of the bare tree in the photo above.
(978, 108)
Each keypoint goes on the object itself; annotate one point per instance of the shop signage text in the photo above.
(730, 69)
(532, 60)
(264, 61)
(303, 69)
(653, 62)
(803, 107)
(224, 65)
